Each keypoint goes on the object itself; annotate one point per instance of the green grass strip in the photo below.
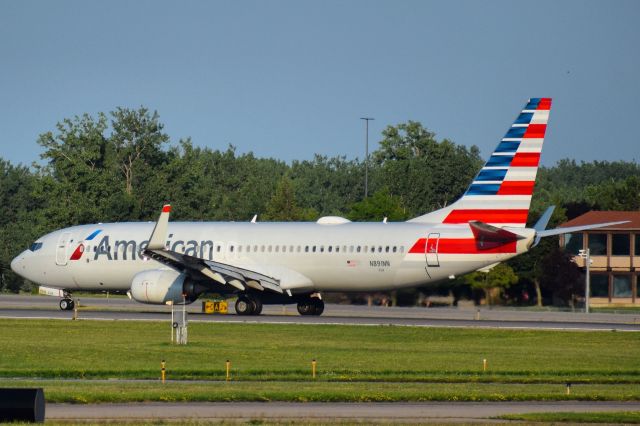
(623, 417)
(131, 349)
(87, 391)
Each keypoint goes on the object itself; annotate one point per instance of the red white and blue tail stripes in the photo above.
(501, 193)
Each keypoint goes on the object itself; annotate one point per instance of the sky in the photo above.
(289, 79)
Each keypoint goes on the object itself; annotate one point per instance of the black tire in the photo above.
(305, 307)
(72, 304)
(244, 306)
(257, 306)
(318, 306)
(66, 304)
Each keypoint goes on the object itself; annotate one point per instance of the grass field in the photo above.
(90, 391)
(631, 417)
(273, 362)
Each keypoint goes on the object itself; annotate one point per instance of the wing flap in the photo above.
(220, 273)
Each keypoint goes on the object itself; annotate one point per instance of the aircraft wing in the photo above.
(219, 272)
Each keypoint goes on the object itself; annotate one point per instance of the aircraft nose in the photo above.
(16, 264)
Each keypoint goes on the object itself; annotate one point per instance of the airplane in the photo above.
(282, 263)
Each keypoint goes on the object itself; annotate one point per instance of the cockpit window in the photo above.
(35, 246)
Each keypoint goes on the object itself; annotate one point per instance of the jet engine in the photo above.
(159, 286)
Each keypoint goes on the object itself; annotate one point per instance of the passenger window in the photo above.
(306, 249)
(395, 249)
(277, 249)
(337, 249)
(350, 249)
(231, 249)
(255, 248)
(313, 249)
(329, 249)
(218, 248)
(321, 249)
(262, 249)
(284, 249)
(270, 248)
(401, 249)
(291, 249)
(386, 249)
(298, 249)
(358, 249)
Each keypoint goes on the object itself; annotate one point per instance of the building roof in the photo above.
(594, 216)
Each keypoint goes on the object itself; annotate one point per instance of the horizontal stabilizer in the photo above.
(570, 229)
(488, 237)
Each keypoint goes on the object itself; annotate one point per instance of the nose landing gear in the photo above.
(67, 304)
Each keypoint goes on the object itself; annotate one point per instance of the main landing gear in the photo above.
(311, 306)
(67, 304)
(248, 305)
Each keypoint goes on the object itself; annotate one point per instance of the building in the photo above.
(615, 255)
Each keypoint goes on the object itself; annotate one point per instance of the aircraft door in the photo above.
(431, 249)
(62, 249)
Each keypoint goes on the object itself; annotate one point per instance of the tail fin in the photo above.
(500, 194)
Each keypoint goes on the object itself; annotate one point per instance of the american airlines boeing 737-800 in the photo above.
(284, 263)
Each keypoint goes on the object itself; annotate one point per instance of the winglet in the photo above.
(159, 234)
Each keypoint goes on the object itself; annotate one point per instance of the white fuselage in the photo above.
(304, 257)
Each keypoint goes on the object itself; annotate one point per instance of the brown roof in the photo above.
(593, 217)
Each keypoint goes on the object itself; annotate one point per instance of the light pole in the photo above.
(366, 156)
(586, 255)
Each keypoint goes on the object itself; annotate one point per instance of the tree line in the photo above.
(121, 166)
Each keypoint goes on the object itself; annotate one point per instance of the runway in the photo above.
(407, 412)
(101, 308)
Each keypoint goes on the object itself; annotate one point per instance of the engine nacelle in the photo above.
(159, 286)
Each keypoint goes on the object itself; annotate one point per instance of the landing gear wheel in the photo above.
(318, 306)
(257, 306)
(67, 304)
(244, 306)
(311, 306)
(305, 307)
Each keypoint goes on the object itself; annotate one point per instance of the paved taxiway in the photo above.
(393, 412)
(100, 308)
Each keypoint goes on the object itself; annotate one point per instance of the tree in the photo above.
(283, 207)
(328, 185)
(616, 195)
(561, 277)
(493, 282)
(137, 140)
(427, 174)
(382, 204)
